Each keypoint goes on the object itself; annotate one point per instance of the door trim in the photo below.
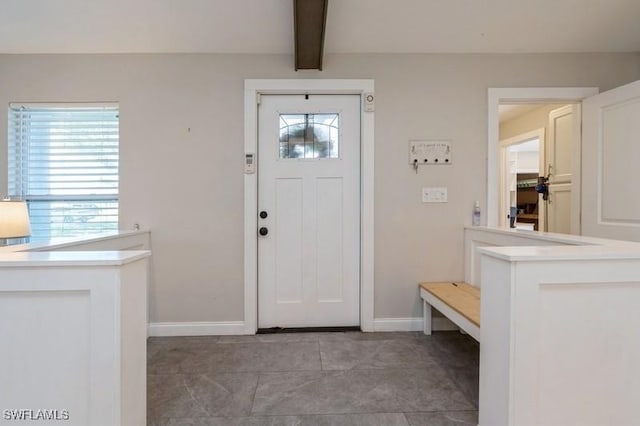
(517, 95)
(253, 88)
(515, 140)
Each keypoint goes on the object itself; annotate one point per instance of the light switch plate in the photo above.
(434, 195)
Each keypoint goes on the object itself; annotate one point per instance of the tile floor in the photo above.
(349, 378)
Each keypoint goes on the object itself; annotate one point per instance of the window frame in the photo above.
(18, 186)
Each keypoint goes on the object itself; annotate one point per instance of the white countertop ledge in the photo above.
(575, 240)
(59, 243)
(71, 258)
(559, 253)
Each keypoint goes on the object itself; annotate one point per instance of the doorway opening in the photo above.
(531, 99)
(521, 156)
(539, 161)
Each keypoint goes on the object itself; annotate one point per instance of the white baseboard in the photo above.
(196, 328)
(397, 324)
(166, 329)
(412, 324)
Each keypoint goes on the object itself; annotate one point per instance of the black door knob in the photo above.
(263, 231)
(263, 214)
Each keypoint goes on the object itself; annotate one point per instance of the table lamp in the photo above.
(14, 219)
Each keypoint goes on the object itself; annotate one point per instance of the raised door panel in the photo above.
(559, 208)
(619, 163)
(561, 138)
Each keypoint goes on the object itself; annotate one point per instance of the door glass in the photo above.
(309, 135)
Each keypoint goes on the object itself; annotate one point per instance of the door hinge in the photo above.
(258, 98)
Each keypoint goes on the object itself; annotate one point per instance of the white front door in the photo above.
(309, 210)
(610, 158)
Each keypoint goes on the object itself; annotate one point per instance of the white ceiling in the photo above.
(353, 26)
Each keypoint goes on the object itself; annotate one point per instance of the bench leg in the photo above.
(426, 314)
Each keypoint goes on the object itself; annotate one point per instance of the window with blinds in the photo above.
(63, 160)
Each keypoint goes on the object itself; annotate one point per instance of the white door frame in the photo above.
(253, 88)
(516, 140)
(517, 95)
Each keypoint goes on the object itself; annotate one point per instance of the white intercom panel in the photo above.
(425, 152)
(249, 163)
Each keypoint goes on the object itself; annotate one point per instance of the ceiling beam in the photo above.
(309, 20)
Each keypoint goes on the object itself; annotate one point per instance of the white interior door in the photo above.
(611, 153)
(563, 168)
(309, 204)
(509, 178)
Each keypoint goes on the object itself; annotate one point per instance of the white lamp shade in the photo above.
(14, 219)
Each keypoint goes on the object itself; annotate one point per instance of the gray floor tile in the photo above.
(179, 340)
(157, 345)
(237, 421)
(453, 348)
(367, 419)
(157, 422)
(273, 338)
(282, 356)
(172, 356)
(154, 348)
(203, 395)
(395, 335)
(236, 357)
(459, 355)
(357, 391)
(455, 418)
(468, 381)
(368, 354)
(275, 379)
(169, 396)
(377, 419)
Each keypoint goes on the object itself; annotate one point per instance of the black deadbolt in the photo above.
(263, 231)
(263, 214)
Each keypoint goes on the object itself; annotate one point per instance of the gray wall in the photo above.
(182, 152)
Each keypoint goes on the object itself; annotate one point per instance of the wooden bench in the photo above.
(460, 302)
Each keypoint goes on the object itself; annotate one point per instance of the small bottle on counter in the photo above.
(475, 220)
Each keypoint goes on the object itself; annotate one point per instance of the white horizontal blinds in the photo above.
(63, 160)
